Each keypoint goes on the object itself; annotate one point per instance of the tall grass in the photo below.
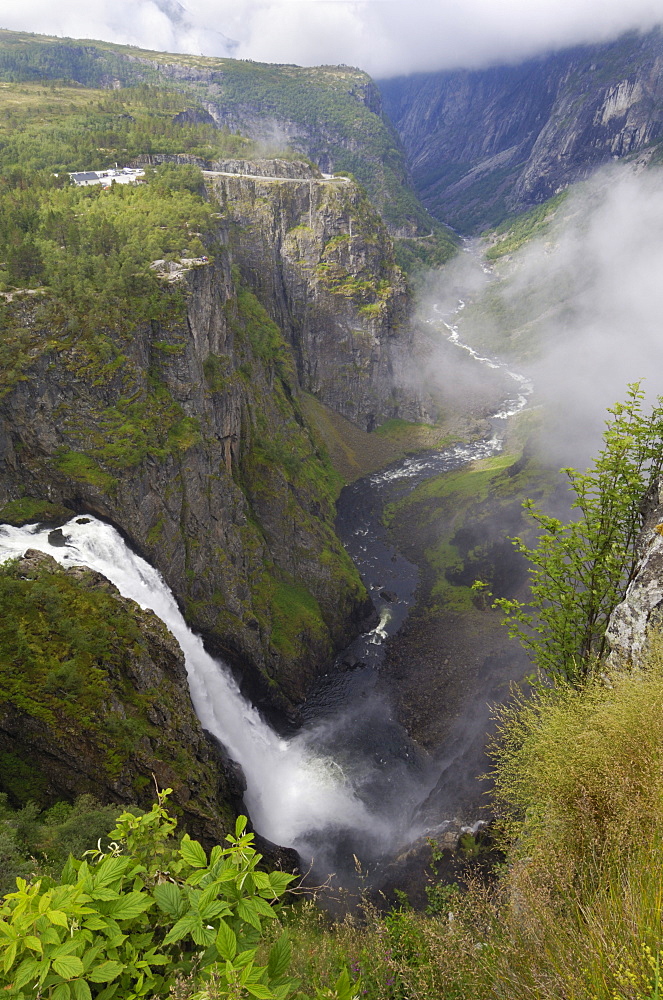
(577, 911)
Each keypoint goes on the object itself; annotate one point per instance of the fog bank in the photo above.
(384, 37)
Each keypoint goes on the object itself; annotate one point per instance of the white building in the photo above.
(117, 175)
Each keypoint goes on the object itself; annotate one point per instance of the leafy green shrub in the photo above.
(34, 842)
(579, 571)
(127, 923)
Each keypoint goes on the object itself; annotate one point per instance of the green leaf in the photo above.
(226, 941)
(109, 870)
(344, 986)
(57, 917)
(95, 923)
(262, 907)
(240, 825)
(228, 874)
(127, 907)
(280, 955)
(104, 894)
(195, 878)
(259, 990)
(29, 969)
(182, 928)
(202, 935)
(61, 992)
(216, 855)
(284, 990)
(169, 899)
(247, 912)
(80, 990)
(33, 943)
(193, 853)
(218, 908)
(9, 956)
(69, 872)
(208, 895)
(154, 958)
(68, 947)
(279, 881)
(262, 880)
(109, 992)
(105, 972)
(68, 966)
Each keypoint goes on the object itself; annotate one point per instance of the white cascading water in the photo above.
(290, 790)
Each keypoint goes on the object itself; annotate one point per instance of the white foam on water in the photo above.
(291, 791)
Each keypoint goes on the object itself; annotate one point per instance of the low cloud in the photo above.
(584, 303)
(383, 37)
(602, 265)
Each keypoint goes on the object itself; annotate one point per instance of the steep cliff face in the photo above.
(641, 608)
(318, 257)
(189, 437)
(81, 723)
(485, 143)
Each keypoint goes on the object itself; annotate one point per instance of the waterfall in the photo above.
(350, 781)
(292, 791)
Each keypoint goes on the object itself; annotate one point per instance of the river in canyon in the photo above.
(349, 784)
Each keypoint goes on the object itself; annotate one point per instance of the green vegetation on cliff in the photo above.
(91, 249)
(93, 696)
(36, 842)
(517, 230)
(279, 468)
(329, 113)
(63, 126)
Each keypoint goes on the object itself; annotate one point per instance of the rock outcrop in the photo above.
(484, 143)
(127, 722)
(642, 605)
(188, 436)
(319, 259)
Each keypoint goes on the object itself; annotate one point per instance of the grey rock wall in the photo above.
(484, 143)
(319, 258)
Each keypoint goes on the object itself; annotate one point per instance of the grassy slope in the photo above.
(330, 107)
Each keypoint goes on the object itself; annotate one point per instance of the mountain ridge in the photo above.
(483, 144)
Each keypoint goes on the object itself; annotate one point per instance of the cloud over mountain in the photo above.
(384, 37)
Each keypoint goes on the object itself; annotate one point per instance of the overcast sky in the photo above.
(384, 37)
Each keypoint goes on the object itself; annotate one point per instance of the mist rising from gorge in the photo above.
(580, 307)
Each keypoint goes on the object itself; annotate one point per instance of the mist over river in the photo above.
(350, 781)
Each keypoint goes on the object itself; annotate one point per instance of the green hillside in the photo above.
(331, 114)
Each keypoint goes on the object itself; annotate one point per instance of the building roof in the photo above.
(86, 175)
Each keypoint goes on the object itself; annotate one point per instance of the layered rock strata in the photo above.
(318, 257)
(188, 436)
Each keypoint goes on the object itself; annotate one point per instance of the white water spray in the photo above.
(291, 790)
